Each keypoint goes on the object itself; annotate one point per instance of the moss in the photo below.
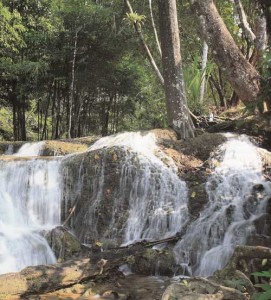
(63, 148)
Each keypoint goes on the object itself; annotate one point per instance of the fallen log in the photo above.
(44, 279)
(37, 279)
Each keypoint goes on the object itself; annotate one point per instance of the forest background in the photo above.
(72, 68)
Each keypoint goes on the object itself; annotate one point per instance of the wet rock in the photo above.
(64, 244)
(259, 240)
(154, 262)
(197, 195)
(8, 148)
(91, 188)
(258, 188)
(263, 225)
(202, 146)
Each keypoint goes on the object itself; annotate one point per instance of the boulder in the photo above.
(200, 289)
(64, 244)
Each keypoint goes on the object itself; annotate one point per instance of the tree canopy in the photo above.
(70, 68)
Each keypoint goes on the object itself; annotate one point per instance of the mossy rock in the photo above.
(154, 262)
(10, 147)
(202, 145)
(64, 244)
(59, 148)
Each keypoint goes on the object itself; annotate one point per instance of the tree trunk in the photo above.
(154, 29)
(176, 102)
(243, 20)
(145, 47)
(203, 71)
(220, 91)
(71, 96)
(266, 6)
(243, 77)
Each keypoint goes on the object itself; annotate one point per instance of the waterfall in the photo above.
(228, 218)
(157, 197)
(134, 194)
(30, 149)
(30, 203)
(124, 188)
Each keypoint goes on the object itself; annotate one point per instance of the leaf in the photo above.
(96, 157)
(266, 287)
(262, 274)
(193, 194)
(264, 296)
(115, 157)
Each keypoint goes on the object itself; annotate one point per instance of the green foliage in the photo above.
(11, 29)
(6, 124)
(113, 82)
(193, 77)
(135, 18)
(266, 287)
(237, 284)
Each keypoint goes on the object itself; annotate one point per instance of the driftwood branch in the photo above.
(148, 244)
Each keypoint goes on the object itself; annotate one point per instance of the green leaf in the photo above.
(264, 296)
(266, 287)
(266, 274)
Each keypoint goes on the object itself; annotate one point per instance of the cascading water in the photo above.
(30, 203)
(157, 197)
(30, 149)
(148, 197)
(228, 217)
(127, 190)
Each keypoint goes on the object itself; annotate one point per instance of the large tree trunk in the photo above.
(177, 109)
(243, 77)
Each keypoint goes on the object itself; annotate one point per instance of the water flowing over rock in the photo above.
(30, 149)
(128, 189)
(30, 203)
(125, 188)
(233, 206)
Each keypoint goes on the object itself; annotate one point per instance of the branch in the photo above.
(203, 70)
(145, 46)
(154, 29)
(243, 19)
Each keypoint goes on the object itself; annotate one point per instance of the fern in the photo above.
(266, 287)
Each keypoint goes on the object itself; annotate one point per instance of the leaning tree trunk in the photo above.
(176, 102)
(243, 77)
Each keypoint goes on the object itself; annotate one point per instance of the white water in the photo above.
(30, 203)
(156, 196)
(227, 219)
(30, 195)
(30, 149)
